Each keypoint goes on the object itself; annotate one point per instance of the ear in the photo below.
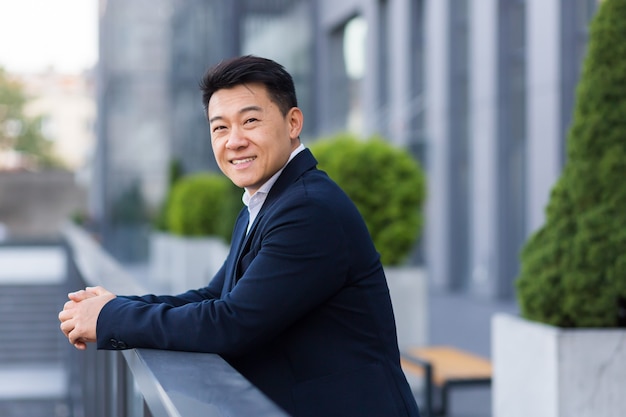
(295, 118)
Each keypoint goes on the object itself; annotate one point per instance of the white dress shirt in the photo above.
(255, 202)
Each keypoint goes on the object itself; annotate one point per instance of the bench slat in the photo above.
(445, 367)
(451, 364)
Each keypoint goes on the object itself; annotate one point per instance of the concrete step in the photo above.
(25, 357)
(33, 378)
(38, 389)
(28, 322)
(32, 264)
(35, 407)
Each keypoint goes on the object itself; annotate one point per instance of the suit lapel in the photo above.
(239, 237)
(294, 169)
(301, 163)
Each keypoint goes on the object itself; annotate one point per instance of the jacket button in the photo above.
(114, 343)
(121, 345)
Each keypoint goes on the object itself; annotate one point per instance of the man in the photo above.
(301, 306)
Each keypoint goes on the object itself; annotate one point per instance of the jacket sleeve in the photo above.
(213, 290)
(297, 264)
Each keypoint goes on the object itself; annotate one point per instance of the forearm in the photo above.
(127, 323)
(213, 290)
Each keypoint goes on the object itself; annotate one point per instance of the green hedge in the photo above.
(386, 184)
(573, 270)
(203, 204)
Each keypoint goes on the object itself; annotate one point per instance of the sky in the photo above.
(38, 34)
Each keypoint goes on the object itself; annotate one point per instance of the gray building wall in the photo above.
(133, 94)
(203, 32)
(516, 133)
(284, 31)
(437, 238)
(544, 105)
(483, 104)
(133, 125)
(480, 91)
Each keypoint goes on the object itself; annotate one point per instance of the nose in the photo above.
(236, 139)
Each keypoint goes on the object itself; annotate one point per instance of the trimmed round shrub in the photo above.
(573, 269)
(203, 204)
(386, 184)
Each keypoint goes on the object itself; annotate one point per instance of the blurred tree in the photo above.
(19, 132)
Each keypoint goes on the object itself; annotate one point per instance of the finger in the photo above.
(64, 315)
(77, 296)
(73, 336)
(77, 337)
(67, 327)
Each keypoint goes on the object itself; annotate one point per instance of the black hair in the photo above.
(251, 69)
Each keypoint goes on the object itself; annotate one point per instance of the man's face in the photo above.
(251, 138)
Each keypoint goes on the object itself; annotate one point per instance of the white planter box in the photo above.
(408, 289)
(545, 371)
(160, 262)
(178, 264)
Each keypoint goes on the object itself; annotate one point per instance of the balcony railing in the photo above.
(145, 382)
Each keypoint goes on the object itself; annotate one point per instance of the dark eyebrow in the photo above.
(249, 108)
(242, 111)
(212, 119)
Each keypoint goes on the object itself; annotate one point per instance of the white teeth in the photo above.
(242, 161)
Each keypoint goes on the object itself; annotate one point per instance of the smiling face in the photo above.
(251, 138)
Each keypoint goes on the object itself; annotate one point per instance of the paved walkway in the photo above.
(464, 321)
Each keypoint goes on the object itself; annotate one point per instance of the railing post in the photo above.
(119, 385)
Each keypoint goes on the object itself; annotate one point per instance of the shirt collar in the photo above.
(265, 188)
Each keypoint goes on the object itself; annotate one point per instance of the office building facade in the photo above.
(480, 91)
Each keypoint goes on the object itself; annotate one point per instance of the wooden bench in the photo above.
(444, 367)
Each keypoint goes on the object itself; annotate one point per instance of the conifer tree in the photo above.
(573, 269)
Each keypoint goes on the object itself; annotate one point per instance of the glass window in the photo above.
(263, 30)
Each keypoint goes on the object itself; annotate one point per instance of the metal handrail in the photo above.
(145, 382)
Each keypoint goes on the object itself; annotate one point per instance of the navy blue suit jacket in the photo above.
(300, 307)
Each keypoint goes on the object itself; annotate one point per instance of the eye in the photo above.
(251, 120)
(218, 128)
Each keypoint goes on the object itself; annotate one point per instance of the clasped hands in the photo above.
(80, 315)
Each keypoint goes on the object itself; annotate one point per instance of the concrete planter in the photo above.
(545, 371)
(178, 263)
(408, 288)
(160, 264)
